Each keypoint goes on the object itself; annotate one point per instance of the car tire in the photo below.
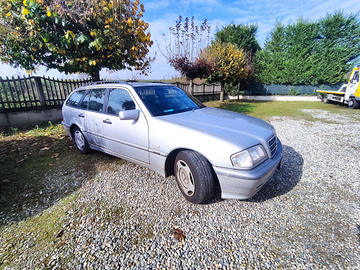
(353, 104)
(326, 100)
(80, 141)
(194, 176)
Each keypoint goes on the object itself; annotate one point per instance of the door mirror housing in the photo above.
(129, 115)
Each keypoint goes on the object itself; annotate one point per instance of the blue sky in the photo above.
(162, 14)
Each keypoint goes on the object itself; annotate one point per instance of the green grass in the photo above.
(41, 171)
(267, 109)
(41, 165)
(42, 229)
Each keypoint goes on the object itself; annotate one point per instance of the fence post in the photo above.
(40, 91)
(213, 95)
(191, 87)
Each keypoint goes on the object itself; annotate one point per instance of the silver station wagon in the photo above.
(161, 127)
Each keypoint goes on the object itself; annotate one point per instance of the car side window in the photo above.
(94, 100)
(74, 99)
(97, 100)
(119, 100)
(85, 102)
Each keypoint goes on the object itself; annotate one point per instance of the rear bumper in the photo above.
(67, 128)
(240, 184)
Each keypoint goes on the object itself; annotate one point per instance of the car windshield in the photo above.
(164, 99)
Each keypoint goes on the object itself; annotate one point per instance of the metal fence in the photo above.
(17, 94)
(203, 92)
(34, 92)
(281, 89)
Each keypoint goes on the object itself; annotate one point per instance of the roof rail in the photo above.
(108, 81)
(160, 82)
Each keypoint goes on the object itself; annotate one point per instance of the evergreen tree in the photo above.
(309, 52)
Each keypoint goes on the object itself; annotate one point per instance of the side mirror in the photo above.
(129, 115)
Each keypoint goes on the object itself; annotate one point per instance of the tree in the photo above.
(244, 37)
(338, 46)
(228, 62)
(74, 35)
(271, 61)
(187, 41)
(307, 52)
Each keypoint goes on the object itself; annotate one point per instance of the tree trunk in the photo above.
(222, 92)
(191, 86)
(95, 75)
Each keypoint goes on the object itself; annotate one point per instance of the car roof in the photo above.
(137, 84)
(99, 84)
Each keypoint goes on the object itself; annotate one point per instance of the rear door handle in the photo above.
(107, 121)
(81, 115)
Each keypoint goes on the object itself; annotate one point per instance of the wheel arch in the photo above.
(170, 160)
(72, 127)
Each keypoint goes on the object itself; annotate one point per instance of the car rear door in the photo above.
(128, 138)
(93, 113)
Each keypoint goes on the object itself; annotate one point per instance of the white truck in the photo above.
(348, 93)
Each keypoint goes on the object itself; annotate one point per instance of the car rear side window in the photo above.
(74, 99)
(94, 100)
(119, 100)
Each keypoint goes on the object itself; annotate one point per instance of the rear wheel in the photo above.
(195, 176)
(353, 104)
(326, 99)
(80, 141)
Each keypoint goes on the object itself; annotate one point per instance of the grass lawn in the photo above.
(267, 109)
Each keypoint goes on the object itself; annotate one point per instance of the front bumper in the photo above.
(241, 184)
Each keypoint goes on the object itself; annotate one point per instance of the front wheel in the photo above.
(353, 104)
(80, 141)
(195, 176)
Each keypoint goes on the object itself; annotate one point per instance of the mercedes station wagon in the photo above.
(162, 127)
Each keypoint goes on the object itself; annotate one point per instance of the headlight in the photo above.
(249, 157)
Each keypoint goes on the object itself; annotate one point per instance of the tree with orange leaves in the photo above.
(75, 35)
(228, 62)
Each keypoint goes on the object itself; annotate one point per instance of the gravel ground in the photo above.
(305, 217)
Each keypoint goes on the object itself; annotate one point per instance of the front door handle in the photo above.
(107, 121)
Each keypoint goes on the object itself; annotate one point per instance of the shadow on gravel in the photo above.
(283, 180)
(37, 172)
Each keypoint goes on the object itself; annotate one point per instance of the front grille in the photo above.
(273, 145)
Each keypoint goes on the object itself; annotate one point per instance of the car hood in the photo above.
(241, 129)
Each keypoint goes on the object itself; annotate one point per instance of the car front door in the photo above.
(354, 82)
(128, 138)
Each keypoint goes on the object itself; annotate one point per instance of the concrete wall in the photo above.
(29, 118)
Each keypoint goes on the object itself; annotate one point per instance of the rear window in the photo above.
(74, 99)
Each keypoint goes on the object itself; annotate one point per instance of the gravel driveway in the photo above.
(305, 217)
